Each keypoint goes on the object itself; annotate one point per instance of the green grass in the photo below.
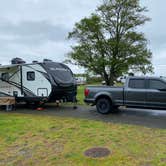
(80, 94)
(43, 140)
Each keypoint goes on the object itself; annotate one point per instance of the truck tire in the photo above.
(103, 106)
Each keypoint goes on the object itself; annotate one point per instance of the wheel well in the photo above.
(103, 96)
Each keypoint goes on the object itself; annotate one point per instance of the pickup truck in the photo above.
(142, 92)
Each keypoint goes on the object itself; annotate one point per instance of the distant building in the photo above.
(81, 80)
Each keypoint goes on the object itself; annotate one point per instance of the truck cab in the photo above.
(145, 92)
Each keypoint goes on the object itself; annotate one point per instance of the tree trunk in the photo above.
(109, 81)
(112, 78)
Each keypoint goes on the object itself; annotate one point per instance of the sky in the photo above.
(38, 29)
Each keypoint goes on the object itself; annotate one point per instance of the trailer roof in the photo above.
(24, 64)
(16, 65)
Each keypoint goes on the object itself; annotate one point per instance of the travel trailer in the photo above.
(37, 82)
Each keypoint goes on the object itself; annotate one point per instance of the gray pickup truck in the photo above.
(142, 92)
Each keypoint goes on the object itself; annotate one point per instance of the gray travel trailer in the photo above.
(37, 82)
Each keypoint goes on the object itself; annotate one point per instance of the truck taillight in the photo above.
(86, 92)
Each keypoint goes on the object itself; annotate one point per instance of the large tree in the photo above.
(109, 42)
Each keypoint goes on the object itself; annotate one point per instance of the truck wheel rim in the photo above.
(103, 106)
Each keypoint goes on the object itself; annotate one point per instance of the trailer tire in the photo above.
(104, 106)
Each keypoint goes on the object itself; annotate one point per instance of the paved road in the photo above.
(147, 118)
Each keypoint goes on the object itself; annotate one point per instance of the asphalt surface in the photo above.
(142, 117)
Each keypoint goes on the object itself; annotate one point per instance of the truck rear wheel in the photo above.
(103, 106)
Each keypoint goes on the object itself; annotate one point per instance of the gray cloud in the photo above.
(31, 32)
(61, 12)
(37, 29)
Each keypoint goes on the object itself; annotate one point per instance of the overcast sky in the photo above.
(37, 29)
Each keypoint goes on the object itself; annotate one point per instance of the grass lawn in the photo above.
(43, 140)
(80, 94)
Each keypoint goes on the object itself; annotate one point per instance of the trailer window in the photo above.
(5, 76)
(30, 75)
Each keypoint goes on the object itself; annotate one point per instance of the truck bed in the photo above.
(116, 93)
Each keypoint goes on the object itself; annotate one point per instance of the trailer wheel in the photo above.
(104, 106)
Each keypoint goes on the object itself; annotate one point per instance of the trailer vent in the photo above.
(34, 61)
(47, 60)
(17, 61)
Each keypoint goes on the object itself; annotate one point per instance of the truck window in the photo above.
(30, 75)
(156, 84)
(137, 83)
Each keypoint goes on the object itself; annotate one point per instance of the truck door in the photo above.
(156, 93)
(135, 93)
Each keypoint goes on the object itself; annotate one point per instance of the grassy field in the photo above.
(41, 140)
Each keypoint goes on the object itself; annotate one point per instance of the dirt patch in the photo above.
(97, 152)
(56, 147)
(55, 128)
(146, 164)
(25, 152)
(163, 160)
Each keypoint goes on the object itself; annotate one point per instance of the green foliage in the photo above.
(108, 42)
(94, 80)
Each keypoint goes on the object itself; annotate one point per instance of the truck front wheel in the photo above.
(103, 106)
